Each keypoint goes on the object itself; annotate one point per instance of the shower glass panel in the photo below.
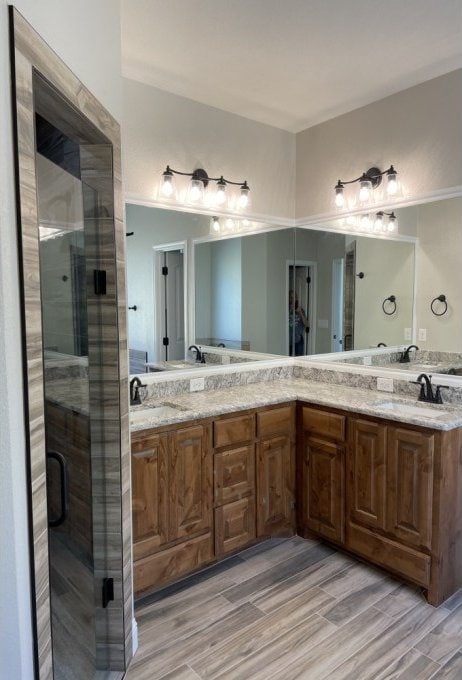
(68, 248)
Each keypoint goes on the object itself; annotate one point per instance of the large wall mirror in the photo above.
(278, 291)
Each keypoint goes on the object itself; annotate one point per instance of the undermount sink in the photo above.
(411, 409)
(164, 410)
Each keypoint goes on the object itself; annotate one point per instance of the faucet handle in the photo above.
(438, 397)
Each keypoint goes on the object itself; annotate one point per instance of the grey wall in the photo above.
(161, 128)
(417, 130)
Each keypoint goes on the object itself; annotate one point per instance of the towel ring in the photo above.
(392, 300)
(442, 299)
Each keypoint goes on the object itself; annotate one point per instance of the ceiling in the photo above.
(289, 63)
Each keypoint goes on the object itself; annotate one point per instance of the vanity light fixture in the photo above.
(385, 226)
(368, 181)
(229, 225)
(200, 189)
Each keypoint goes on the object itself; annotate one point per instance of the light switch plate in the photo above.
(196, 384)
(422, 334)
(407, 333)
(385, 384)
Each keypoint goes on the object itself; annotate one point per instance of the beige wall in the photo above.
(418, 130)
(161, 128)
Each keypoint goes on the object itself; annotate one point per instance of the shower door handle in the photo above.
(64, 488)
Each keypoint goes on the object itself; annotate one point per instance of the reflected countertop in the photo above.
(206, 404)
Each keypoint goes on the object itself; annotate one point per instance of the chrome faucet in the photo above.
(426, 389)
(135, 396)
(405, 359)
(198, 352)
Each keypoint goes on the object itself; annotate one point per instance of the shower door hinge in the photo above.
(99, 280)
(107, 591)
(165, 342)
(164, 271)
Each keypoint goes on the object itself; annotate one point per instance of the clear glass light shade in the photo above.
(220, 194)
(339, 197)
(214, 225)
(392, 224)
(365, 223)
(244, 196)
(379, 223)
(392, 183)
(365, 189)
(196, 190)
(166, 186)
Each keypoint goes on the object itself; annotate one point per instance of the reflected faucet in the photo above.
(405, 359)
(135, 396)
(196, 349)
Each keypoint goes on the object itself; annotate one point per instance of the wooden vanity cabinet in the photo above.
(172, 503)
(321, 446)
(401, 505)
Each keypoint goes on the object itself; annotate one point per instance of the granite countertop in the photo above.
(70, 393)
(191, 406)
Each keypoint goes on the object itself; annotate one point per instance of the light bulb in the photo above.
(365, 187)
(229, 224)
(196, 189)
(365, 223)
(392, 223)
(215, 225)
(245, 223)
(392, 182)
(220, 195)
(166, 188)
(378, 224)
(339, 197)
(244, 196)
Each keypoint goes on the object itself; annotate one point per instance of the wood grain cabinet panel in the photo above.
(236, 430)
(149, 495)
(275, 485)
(190, 482)
(366, 480)
(234, 474)
(322, 424)
(410, 486)
(324, 494)
(275, 421)
(234, 525)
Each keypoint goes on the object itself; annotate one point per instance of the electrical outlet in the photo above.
(422, 334)
(407, 333)
(385, 384)
(196, 384)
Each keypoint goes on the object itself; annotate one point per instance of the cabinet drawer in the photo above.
(275, 421)
(324, 423)
(168, 565)
(411, 564)
(234, 525)
(233, 430)
(234, 474)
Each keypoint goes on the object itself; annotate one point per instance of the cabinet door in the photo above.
(324, 494)
(410, 486)
(366, 473)
(234, 525)
(149, 495)
(234, 474)
(190, 476)
(275, 495)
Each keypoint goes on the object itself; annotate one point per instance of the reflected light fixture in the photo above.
(199, 182)
(368, 181)
(380, 225)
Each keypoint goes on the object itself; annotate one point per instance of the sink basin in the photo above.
(411, 409)
(165, 410)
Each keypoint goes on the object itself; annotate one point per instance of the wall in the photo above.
(255, 291)
(161, 128)
(417, 130)
(388, 268)
(152, 227)
(226, 293)
(439, 270)
(83, 34)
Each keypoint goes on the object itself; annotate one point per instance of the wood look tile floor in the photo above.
(295, 608)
